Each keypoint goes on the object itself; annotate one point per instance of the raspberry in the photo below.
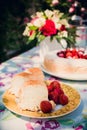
(55, 98)
(46, 106)
(55, 84)
(72, 53)
(68, 54)
(50, 88)
(63, 99)
(54, 90)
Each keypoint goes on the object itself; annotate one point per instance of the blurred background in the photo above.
(14, 14)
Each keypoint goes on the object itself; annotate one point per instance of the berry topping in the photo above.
(72, 53)
(46, 106)
(63, 99)
(53, 85)
(54, 91)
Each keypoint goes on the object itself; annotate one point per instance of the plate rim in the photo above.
(70, 77)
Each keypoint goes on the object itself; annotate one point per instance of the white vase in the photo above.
(81, 40)
(47, 45)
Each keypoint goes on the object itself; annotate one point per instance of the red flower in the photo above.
(62, 28)
(31, 33)
(49, 28)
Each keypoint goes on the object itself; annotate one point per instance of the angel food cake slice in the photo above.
(35, 73)
(31, 94)
(19, 79)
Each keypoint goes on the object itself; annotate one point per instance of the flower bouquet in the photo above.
(69, 60)
(51, 24)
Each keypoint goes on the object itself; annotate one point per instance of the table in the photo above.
(77, 120)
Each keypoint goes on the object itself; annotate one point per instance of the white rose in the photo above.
(39, 22)
(63, 34)
(58, 25)
(26, 31)
(64, 22)
(49, 13)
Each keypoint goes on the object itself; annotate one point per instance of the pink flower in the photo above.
(76, 3)
(26, 20)
(52, 124)
(49, 28)
(29, 127)
(83, 9)
(55, 2)
(70, 0)
(33, 20)
(71, 10)
(79, 127)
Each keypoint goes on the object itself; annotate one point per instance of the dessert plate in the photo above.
(68, 76)
(9, 101)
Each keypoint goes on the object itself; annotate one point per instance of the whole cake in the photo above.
(73, 62)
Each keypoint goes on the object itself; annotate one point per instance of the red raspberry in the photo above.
(75, 57)
(55, 84)
(69, 54)
(72, 53)
(54, 90)
(81, 56)
(50, 88)
(46, 106)
(85, 56)
(54, 95)
(59, 91)
(61, 54)
(63, 99)
(55, 98)
(50, 95)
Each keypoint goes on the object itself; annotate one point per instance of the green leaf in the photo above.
(32, 37)
(66, 122)
(41, 38)
(33, 27)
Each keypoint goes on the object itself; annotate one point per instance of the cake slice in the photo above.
(19, 79)
(35, 73)
(17, 82)
(31, 95)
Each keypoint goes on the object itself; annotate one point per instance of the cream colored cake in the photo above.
(19, 79)
(29, 89)
(17, 82)
(31, 95)
(58, 65)
(35, 73)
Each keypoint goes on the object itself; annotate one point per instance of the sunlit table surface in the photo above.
(76, 120)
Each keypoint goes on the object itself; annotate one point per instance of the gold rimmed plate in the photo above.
(9, 101)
